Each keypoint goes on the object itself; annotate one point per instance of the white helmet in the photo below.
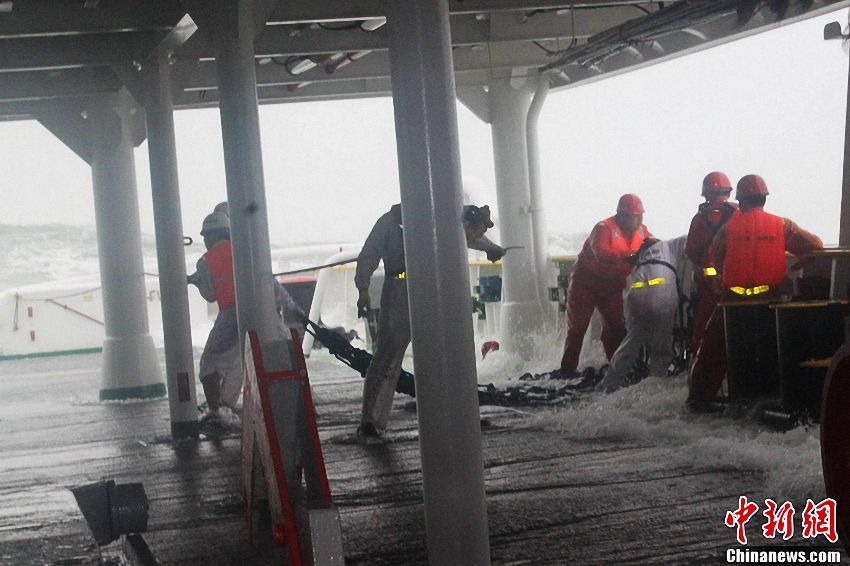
(222, 207)
(215, 221)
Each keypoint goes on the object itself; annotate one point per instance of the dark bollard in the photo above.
(113, 510)
(752, 366)
(834, 428)
(808, 334)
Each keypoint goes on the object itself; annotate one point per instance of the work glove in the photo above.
(363, 303)
(646, 244)
(301, 318)
(192, 279)
(715, 284)
(496, 254)
(800, 264)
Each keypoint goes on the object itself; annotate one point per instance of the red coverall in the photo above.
(755, 255)
(597, 281)
(704, 226)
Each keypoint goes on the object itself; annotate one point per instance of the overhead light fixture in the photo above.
(91, 3)
(264, 60)
(296, 86)
(339, 60)
(301, 66)
(6, 7)
(373, 24)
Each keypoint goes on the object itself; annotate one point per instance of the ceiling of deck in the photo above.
(58, 54)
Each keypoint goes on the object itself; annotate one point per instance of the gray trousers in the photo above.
(392, 342)
(222, 356)
(649, 324)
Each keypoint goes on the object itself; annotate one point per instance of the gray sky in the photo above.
(772, 104)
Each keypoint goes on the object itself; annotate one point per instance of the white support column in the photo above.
(539, 233)
(233, 34)
(438, 281)
(171, 260)
(842, 266)
(130, 364)
(230, 25)
(522, 312)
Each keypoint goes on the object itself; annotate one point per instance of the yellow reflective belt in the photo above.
(709, 272)
(655, 281)
(399, 275)
(750, 290)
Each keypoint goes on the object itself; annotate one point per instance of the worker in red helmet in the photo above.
(749, 251)
(599, 277)
(710, 217)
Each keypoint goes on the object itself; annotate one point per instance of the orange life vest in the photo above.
(755, 250)
(220, 261)
(713, 218)
(615, 272)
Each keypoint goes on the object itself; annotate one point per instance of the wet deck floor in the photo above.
(551, 500)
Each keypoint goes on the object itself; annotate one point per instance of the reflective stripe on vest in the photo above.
(750, 290)
(650, 283)
(220, 261)
(755, 250)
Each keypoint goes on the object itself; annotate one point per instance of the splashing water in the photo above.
(654, 409)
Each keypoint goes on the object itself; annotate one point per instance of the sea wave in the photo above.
(49, 252)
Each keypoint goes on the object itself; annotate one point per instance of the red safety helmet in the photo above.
(629, 204)
(750, 186)
(487, 347)
(715, 182)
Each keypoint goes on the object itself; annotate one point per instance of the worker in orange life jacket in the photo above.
(750, 254)
(221, 362)
(599, 277)
(711, 216)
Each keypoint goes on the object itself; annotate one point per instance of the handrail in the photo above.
(563, 258)
(828, 252)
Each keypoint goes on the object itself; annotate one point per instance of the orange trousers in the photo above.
(710, 365)
(582, 298)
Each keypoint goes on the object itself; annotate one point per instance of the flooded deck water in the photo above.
(567, 485)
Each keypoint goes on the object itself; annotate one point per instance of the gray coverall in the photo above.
(222, 352)
(386, 242)
(651, 301)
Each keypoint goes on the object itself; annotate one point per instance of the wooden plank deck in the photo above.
(551, 499)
